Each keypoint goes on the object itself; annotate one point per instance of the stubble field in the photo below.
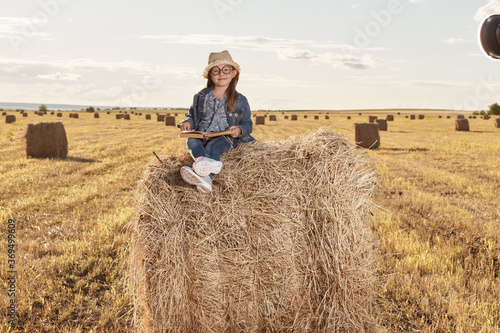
(437, 227)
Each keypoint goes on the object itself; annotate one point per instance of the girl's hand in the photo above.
(185, 126)
(235, 131)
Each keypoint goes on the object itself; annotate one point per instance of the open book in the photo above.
(203, 135)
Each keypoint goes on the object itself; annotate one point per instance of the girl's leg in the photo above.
(219, 145)
(196, 148)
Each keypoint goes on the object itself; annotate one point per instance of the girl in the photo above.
(217, 107)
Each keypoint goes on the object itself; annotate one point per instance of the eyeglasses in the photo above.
(226, 70)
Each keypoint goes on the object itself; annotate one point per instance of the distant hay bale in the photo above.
(367, 135)
(305, 116)
(160, 118)
(272, 118)
(412, 117)
(170, 121)
(108, 112)
(9, 119)
(286, 117)
(118, 116)
(126, 116)
(294, 117)
(4, 113)
(327, 117)
(96, 115)
(448, 117)
(497, 122)
(462, 125)
(46, 140)
(372, 119)
(316, 117)
(260, 120)
(25, 114)
(359, 114)
(148, 116)
(406, 116)
(282, 245)
(52, 113)
(389, 117)
(75, 115)
(348, 117)
(382, 124)
(59, 114)
(486, 117)
(421, 116)
(440, 117)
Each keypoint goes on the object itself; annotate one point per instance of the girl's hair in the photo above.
(231, 93)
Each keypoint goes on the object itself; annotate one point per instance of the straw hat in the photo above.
(220, 58)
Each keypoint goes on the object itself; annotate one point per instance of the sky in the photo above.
(317, 54)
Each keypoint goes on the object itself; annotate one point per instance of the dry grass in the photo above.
(438, 232)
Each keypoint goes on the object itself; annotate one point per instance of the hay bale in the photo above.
(421, 116)
(281, 245)
(260, 120)
(316, 117)
(9, 119)
(389, 117)
(460, 116)
(126, 116)
(170, 121)
(24, 114)
(52, 113)
(119, 116)
(305, 116)
(462, 125)
(75, 115)
(45, 140)
(4, 113)
(367, 135)
(440, 117)
(448, 117)
(272, 118)
(96, 115)
(348, 117)
(160, 118)
(327, 117)
(497, 122)
(382, 124)
(286, 117)
(294, 117)
(486, 117)
(372, 119)
(412, 117)
(59, 114)
(148, 117)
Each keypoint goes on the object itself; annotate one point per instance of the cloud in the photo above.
(454, 41)
(20, 26)
(347, 57)
(61, 76)
(493, 6)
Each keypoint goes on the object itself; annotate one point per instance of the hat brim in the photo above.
(220, 62)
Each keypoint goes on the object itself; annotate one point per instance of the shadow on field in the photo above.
(404, 149)
(77, 159)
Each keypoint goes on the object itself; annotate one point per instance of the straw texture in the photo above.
(283, 243)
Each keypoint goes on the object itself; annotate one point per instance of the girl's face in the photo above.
(222, 75)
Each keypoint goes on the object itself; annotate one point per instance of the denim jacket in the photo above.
(240, 116)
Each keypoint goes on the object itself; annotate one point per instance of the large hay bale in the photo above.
(170, 121)
(497, 122)
(260, 120)
(10, 118)
(294, 117)
(372, 119)
(462, 124)
(272, 118)
(283, 244)
(382, 124)
(46, 140)
(367, 135)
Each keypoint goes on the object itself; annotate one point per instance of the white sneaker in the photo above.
(204, 166)
(203, 184)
